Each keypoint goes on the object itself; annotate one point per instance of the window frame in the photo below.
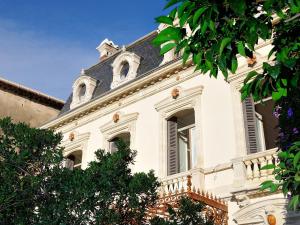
(187, 99)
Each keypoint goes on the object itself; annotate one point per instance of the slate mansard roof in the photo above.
(103, 71)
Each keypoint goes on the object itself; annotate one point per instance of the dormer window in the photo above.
(125, 68)
(83, 89)
(82, 92)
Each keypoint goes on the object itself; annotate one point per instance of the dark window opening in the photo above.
(123, 136)
(73, 161)
(124, 70)
(82, 91)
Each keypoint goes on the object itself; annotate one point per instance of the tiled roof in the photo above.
(102, 72)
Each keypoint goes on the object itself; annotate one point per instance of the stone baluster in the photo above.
(256, 172)
(269, 161)
(276, 160)
(249, 171)
(263, 173)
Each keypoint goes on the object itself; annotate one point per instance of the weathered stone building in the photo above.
(23, 104)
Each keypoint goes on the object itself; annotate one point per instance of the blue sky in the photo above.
(44, 44)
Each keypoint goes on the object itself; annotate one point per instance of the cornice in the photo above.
(163, 73)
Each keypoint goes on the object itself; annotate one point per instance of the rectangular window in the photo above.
(261, 126)
(181, 142)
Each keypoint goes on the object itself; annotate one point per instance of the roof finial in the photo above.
(123, 48)
(82, 72)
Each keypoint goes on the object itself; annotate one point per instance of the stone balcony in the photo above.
(247, 170)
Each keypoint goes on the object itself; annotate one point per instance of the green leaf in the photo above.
(164, 19)
(250, 76)
(183, 19)
(167, 48)
(238, 6)
(168, 34)
(268, 167)
(203, 27)
(197, 14)
(234, 65)
(241, 48)
(182, 7)
(296, 159)
(171, 3)
(212, 26)
(224, 43)
(294, 203)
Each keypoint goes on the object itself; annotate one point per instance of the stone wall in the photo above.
(25, 109)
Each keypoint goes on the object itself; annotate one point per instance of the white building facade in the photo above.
(181, 122)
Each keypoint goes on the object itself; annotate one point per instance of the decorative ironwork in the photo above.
(215, 209)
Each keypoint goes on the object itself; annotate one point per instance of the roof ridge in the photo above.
(30, 90)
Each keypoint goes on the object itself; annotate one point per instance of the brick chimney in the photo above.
(106, 48)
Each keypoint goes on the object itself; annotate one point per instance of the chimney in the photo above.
(106, 49)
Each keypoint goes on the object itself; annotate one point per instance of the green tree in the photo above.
(36, 189)
(27, 158)
(214, 33)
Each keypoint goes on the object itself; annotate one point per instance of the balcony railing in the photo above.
(181, 185)
(248, 170)
(255, 162)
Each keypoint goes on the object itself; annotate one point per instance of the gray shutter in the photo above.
(173, 166)
(250, 125)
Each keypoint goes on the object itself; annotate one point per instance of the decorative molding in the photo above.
(188, 99)
(133, 61)
(125, 124)
(79, 142)
(163, 73)
(90, 85)
(258, 212)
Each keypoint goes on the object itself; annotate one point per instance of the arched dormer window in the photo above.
(83, 89)
(125, 68)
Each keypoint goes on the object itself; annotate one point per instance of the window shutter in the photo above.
(69, 164)
(172, 146)
(250, 125)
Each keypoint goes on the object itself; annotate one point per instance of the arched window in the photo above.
(73, 160)
(82, 92)
(83, 89)
(181, 142)
(124, 70)
(123, 136)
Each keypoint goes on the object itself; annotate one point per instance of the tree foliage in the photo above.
(36, 189)
(216, 33)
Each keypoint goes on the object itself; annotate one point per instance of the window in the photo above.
(181, 142)
(124, 70)
(83, 89)
(124, 137)
(260, 124)
(73, 160)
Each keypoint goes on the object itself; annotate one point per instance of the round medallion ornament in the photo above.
(271, 219)
(175, 93)
(116, 117)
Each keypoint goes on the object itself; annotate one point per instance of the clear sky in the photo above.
(45, 43)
